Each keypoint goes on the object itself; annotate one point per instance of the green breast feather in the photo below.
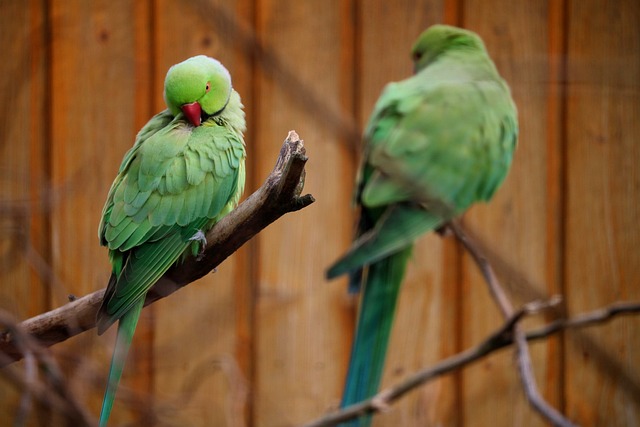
(183, 174)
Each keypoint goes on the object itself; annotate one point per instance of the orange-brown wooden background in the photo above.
(264, 341)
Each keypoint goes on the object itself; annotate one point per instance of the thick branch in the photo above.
(279, 195)
(498, 340)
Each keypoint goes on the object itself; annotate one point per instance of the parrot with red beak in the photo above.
(185, 171)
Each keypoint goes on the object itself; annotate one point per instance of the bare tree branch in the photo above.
(52, 390)
(498, 340)
(280, 194)
(586, 319)
(523, 357)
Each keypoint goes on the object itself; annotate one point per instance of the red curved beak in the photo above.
(192, 112)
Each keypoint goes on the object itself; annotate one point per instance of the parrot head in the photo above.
(439, 39)
(199, 87)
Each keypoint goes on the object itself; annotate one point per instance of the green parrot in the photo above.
(436, 143)
(184, 173)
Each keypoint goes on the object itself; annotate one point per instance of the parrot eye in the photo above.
(416, 56)
(207, 87)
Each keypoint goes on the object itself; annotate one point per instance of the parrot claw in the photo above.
(200, 237)
(445, 230)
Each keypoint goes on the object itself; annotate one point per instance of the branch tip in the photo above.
(381, 401)
(535, 307)
(279, 195)
(293, 136)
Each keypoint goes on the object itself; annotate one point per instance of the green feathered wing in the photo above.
(177, 180)
(436, 143)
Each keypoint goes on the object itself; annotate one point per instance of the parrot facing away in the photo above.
(435, 143)
(184, 172)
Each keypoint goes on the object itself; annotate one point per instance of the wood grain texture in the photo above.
(93, 124)
(301, 326)
(602, 237)
(514, 225)
(23, 173)
(82, 77)
(420, 336)
(22, 160)
(197, 378)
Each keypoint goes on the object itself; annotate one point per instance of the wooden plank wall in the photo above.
(264, 341)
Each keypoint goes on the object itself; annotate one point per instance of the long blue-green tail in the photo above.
(126, 328)
(377, 307)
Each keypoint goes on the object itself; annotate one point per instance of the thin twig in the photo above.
(498, 340)
(30, 378)
(523, 357)
(505, 306)
(586, 319)
(53, 393)
(280, 194)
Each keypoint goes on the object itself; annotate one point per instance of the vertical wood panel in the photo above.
(197, 376)
(302, 334)
(289, 333)
(93, 124)
(23, 172)
(424, 329)
(603, 179)
(514, 225)
(22, 161)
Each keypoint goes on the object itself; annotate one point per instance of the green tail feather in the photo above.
(397, 228)
(126, 328)
(369, 350)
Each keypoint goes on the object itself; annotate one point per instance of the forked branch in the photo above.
(498, 340)
(280, 194)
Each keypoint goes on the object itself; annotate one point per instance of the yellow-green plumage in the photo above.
(436, 143)
(183, 174)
